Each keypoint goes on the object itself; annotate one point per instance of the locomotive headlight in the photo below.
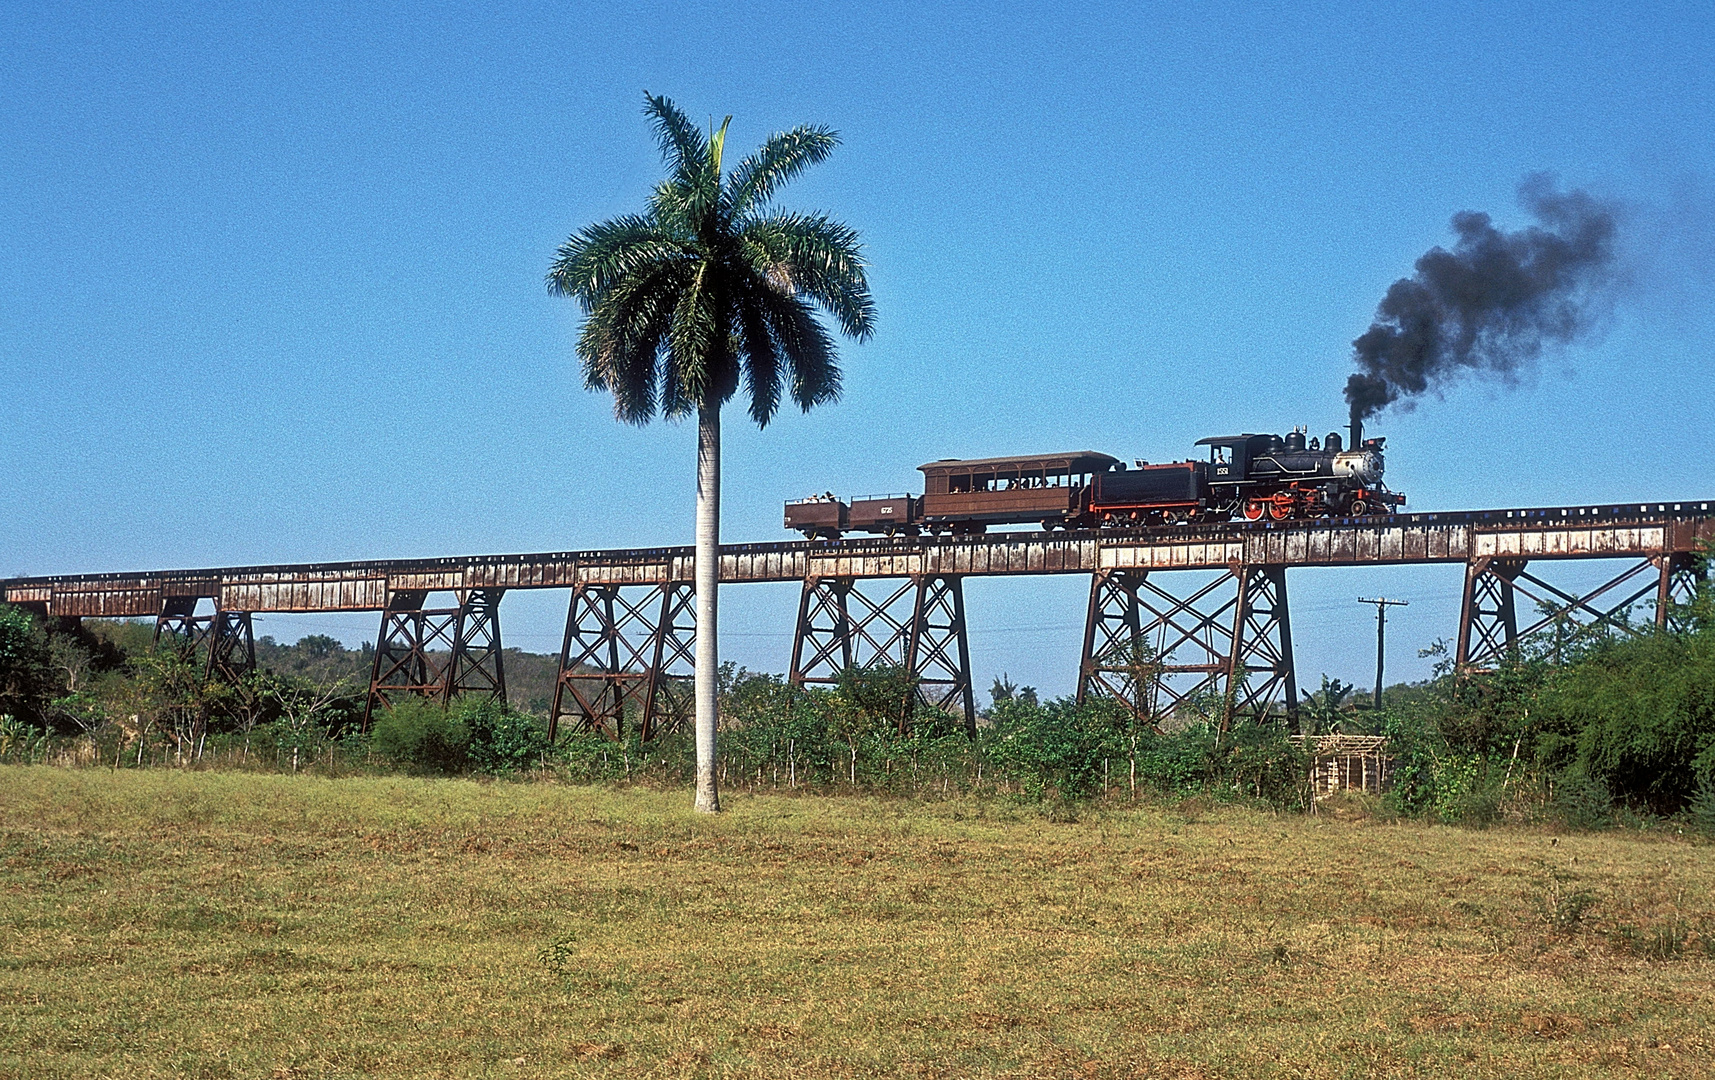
(1364, 466)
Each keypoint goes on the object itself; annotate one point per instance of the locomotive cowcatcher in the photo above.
(1246, 476)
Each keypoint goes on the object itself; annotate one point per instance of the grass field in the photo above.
(216, 924)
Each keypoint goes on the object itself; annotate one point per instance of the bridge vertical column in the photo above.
(1680, 575)
(671, 704)
(1222, 650)
(1262, 645)
(478, 664)
(1116, 662)
(822, 638)
(918, 626)
(413, 651)
(1488, 619)
(624, 653)
(939, 653)
(232, 646)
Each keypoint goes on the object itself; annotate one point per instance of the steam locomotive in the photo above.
(1249, 477)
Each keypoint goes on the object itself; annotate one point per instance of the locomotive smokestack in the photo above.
(1357, 428)
(1492, 303)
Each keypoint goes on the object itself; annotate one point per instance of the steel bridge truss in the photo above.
(1223, 650)
(1490, 627)
(223, 642)
(916, 625)
(437, 653)
(628, 658)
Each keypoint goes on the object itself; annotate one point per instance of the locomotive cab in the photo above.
(1230, 456)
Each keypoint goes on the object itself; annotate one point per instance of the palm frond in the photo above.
(691, 343)
(761, 357)
(591, 260)
(810, 254)
(683, 147)
(809, 351)
(687, 208)
(622, 340)
(777, 161)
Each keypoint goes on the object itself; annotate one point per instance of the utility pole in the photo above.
(1382, 604)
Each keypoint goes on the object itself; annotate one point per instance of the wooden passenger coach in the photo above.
(969, 495)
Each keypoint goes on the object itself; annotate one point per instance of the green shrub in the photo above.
(19, 742)
(1465, 789)
(501, 740)
(1637, 716)
(1057, 750)
(422, 736)
(25, 679)
(1582, 802)
(1700, 811)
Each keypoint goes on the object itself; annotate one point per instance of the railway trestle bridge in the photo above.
(1154, 638)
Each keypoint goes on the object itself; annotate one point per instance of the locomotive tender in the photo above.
(1246, 476)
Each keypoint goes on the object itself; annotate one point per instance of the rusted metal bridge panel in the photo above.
(305, 592)
(113, 600)
(1597, 541)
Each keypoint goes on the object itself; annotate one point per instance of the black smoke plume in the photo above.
(1491, 303)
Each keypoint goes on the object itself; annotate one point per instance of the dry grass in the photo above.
(162, 924)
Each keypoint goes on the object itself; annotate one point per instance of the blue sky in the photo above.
(271, 283)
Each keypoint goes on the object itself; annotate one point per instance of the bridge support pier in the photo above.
(1489, 625)
(223, 641)
(1222, 650)
(1117, 661)
(437, 652)
(917, 625)
(628, 654)
(478, 663)
(1679, 576)
(231, 646)
(1488, 618)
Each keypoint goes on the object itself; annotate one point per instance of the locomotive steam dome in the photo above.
(1364, 466)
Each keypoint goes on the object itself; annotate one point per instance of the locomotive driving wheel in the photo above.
(1254, 510)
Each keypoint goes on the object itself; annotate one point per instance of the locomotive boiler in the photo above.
(1248, 477)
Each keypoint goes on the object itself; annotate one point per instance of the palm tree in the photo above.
(709, 285)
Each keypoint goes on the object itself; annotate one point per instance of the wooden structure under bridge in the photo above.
(1157, 636)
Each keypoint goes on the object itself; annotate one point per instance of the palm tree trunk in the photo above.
(707, 581)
